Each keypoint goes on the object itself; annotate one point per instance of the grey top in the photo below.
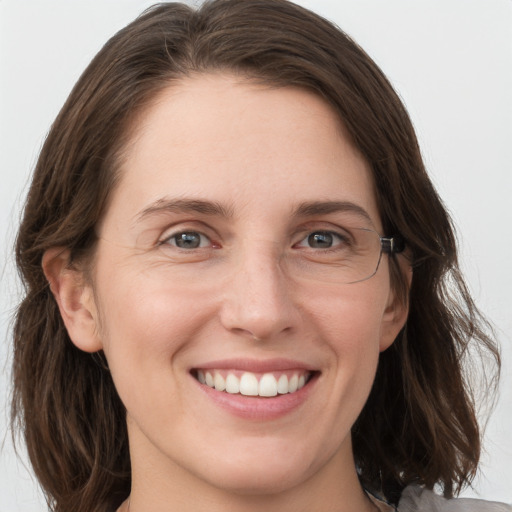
(417, 499)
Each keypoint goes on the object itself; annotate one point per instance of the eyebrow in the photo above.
(213, 208)
(170, 205)
(310, 209)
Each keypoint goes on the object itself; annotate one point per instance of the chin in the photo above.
(264, 479)
(263, 469)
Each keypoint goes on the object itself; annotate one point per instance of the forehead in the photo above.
(236, 142)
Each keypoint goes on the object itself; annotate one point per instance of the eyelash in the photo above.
(341, 239)
(168, 240)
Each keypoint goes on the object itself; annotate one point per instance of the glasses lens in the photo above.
(343, 256)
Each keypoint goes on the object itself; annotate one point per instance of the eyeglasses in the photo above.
(348, 256)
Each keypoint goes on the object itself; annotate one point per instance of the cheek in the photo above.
(145, 325)
(349, 324)
(350, 317)
(355, 344)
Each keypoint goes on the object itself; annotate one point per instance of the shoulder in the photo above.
(417, 499)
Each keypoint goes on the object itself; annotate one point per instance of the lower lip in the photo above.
(259, 408)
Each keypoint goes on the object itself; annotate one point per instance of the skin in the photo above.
(157, 312)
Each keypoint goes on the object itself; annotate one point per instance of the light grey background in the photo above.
(450, 60)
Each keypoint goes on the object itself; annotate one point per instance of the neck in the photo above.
(368, 506)
(166, 486)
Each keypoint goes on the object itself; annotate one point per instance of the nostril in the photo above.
(247, 333)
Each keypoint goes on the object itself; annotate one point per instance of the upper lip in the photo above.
(256, 365)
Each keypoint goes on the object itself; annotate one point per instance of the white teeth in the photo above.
(282, 385)
(232, 384)
(268, 385)
(293, 384)
(248, 384)
(220, 383)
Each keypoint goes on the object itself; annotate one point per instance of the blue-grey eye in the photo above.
(321, 240)
(188, 240)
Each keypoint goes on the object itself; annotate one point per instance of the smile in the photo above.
(247, 383)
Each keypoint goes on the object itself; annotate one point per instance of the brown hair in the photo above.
(419, 422)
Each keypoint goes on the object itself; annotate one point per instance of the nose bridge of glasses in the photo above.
(259, 259)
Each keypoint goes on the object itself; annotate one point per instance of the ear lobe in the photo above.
(393, 320)
(74, 298)
(396, 313)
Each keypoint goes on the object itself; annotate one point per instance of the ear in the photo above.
(74, 297)
(396, 312)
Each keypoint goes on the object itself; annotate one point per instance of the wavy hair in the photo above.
(419, 424)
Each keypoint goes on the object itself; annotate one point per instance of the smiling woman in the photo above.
(242, 289)
(241, 304)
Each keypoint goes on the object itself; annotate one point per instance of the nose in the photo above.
(258, 298)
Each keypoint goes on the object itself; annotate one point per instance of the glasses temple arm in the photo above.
(392, 245)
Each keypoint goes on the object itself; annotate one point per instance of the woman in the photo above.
(237, 280)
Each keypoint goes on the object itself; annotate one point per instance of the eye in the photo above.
(188, 240)
(322, 240)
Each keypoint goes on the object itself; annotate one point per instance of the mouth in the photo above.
(252, 384)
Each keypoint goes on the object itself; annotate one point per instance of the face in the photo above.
(216, 262)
